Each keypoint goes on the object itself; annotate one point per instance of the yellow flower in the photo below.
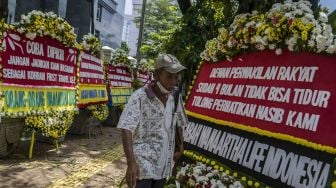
(333, 185)
(304, 35)
(249, 183)
(243, 178)
(227, 172)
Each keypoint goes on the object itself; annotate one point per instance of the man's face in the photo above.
(168, 80)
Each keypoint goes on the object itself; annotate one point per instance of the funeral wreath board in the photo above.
(263, 102)
(37, 74)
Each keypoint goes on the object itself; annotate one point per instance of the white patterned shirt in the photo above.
(151, 124)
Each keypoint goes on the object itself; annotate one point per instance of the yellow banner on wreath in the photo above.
(120, 95)
(25, 100)
(89, 94)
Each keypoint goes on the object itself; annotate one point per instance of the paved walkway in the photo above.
(81, 162)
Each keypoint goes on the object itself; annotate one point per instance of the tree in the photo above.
(125, 47)
(332, 20)
(199, 24)
(161, 18)
(3, 9)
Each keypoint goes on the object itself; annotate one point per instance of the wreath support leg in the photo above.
(32, 142)
(56, 144)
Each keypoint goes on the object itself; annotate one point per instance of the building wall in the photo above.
(128, 19)
(131, 31)
(24, 6)
(111, 24)
(78, 14)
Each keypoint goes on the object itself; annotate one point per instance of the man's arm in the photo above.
(182, 121)
(179, 143)
(132, 168)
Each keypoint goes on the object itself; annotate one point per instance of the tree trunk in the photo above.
(3, 9)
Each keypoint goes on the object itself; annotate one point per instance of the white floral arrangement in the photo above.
(37, 23)
(119, 58)
(290, 25)
(200, 175)
(92, 44)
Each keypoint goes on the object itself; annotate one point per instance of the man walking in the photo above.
(149, 122)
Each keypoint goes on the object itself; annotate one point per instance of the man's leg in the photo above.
(145, 183)
(158, 183)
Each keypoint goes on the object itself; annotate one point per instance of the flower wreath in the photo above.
(99, 111)
(92, 44)
(53, 124)
(37, 23)
(119, 58)
(289, 25)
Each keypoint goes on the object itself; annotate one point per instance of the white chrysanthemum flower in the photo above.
(202, 179)
(197, 171)
(304, 7)
(311, 43)
(39, 32)
(278, 51)
(237, 184)
(288, 15)
(298, 12)
(229, 44)
(209, 175)
(331, 49)
(260, 47)
(20, 30)
(291, 48)
(323, 17)
(249, 24)
(320, 43)
(271, 46)
(327, 30)
(30, 35)
(310, 17)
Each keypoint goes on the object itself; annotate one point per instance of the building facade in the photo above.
(131, 31)
(104, 18)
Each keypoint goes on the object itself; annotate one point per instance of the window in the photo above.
(99, 12)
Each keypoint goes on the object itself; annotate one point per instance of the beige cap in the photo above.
(169, 62)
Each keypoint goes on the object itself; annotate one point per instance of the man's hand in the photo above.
(178, 154)
(132, 174)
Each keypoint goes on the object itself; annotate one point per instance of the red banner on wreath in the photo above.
(91, 70)
(119, 76)
(292, 94)
(145, 77)
(40, 62)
